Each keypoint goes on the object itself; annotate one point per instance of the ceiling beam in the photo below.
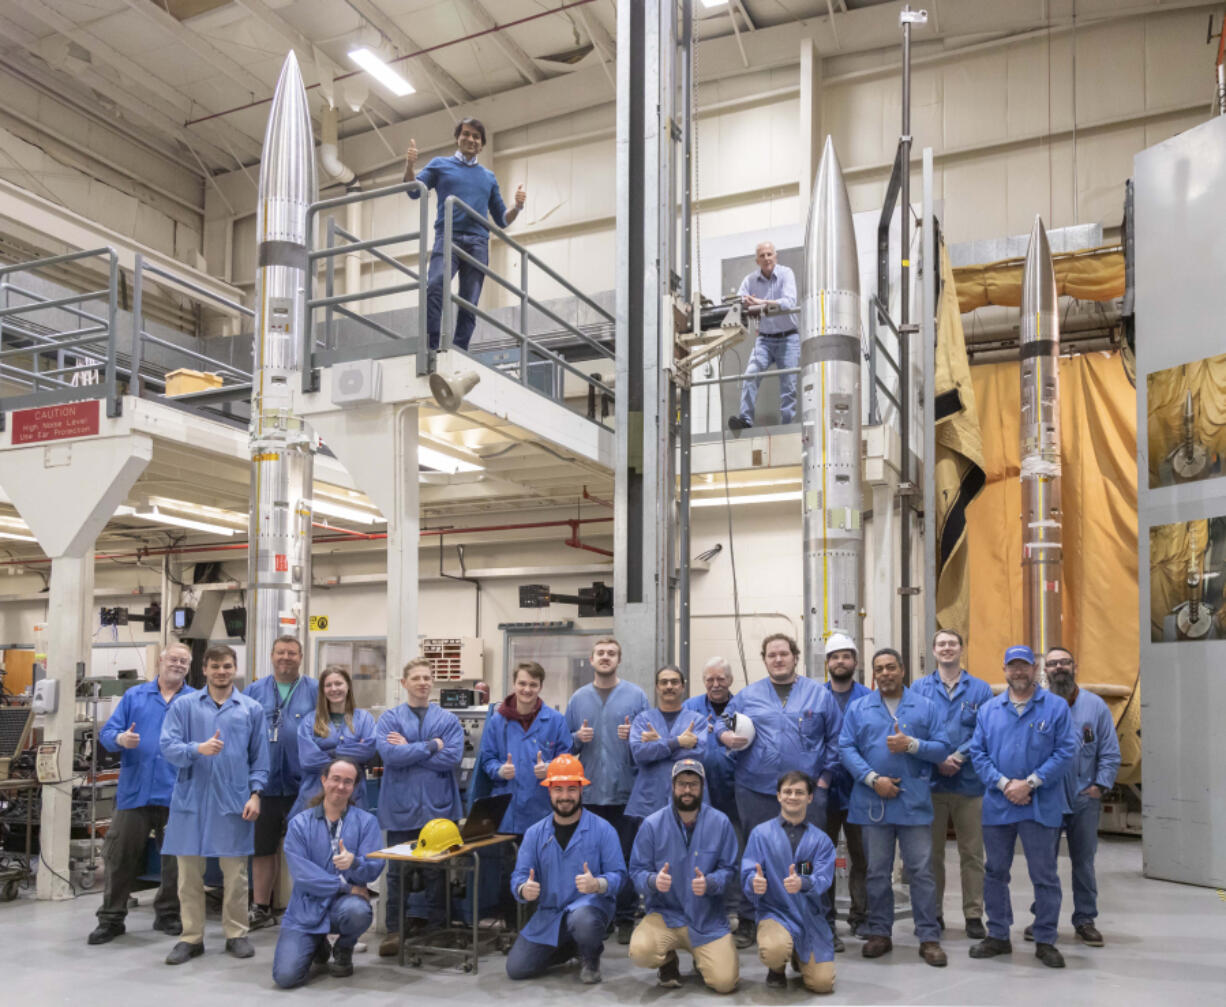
(425, 64)
(598, 33)
(308, 52)
(519, 59)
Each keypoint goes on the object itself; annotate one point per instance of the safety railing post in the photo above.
(423, 272)
(135, 381)
(113, 404)
(445, 329)
(523, 319)
(330, 284)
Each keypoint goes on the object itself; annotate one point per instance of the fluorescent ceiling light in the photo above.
(17, 538)
(442, 462)
(344, 513)
(201, 510)
(719, 501)
(383, 73)
(712, 4)
(182, 522)
(13, 522)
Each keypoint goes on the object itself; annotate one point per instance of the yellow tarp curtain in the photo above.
(1094, 275)
(1099, 500)
(1167, 393)
(1172, 549)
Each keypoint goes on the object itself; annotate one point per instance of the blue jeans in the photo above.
(348, 918)
(915, 846)
(426, 904)
(1081, 827)
(784, 353)
(582, 934)
(1039, 846)
(626, 829)
(471, 280)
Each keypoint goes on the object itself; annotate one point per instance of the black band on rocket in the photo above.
(282, 253)
(1039, 348)
(822, 348)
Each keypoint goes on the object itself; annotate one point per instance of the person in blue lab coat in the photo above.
(288, 699)
(1095, 765)
(337, 730)
(142, 799)
(570, 864)
(520, 739)
(326, 848)
(1022, 747)
(889, 742)
(957, 791)
(786, 870)
(599, 716)
(658, 739)
(684, 857)
(718, 788)
(421, 745)
(796, 724)
(217, 740)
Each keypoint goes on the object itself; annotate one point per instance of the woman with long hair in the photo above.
(337, 729)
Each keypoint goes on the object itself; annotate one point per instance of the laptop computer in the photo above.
(484, 818)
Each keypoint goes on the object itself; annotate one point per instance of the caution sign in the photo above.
(319, 623)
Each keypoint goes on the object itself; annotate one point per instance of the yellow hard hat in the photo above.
(439, 835)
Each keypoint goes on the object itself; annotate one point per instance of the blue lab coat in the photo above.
(802, 735)
(317, 884)
(653, 783)
(712, 849)
(145, 777)
(419, 779)
(206, 807)
(314, 754)
(959, 714)
(802, 914)
(1039, 741)
(840, 780)
(1097, 759)
(716, 759)
(862, 744)
(284, 770)
(594, 843)
(549, 736)
(606, 759)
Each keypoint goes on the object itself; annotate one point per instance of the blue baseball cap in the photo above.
(1019, 653)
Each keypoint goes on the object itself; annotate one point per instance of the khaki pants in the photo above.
(775, 951)
(653, 941)
(191, 898)
(967, 816)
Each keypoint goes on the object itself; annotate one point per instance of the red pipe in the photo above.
(409, 55)
(597, 500)
(574, 542)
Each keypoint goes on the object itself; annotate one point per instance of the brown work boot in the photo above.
(875, 947)
(931, 952)
(390, 946)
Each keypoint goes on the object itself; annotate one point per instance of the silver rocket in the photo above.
(1042, 554)
(1190, 459)
(282, 448)
(830, 416)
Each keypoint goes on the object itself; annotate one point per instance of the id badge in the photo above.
(273, 732)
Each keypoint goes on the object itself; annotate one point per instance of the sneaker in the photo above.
(875, 947)
(1089, 934)
(669, 974)
(745, 935)
(589, 973)
(1049, 956)
(239, 947)
(389, 947)
(182, 951)
(975, 929)
(837, 941)
(990, 947)
(625, 930)
(736, 423)
(341, 964)
(359, 948)
(931, 952)
(323, 950)
(171, 925)
(776, 979)
(104, 933)
(259, 917)
(1028, 933)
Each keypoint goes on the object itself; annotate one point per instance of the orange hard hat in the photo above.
(564, 769)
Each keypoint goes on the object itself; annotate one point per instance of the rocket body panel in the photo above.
(830, 358)
(282, 448)
(1039, 351)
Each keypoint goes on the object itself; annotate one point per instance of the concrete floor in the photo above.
(1165, 942)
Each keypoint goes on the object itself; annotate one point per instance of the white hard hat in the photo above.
(741, 726)
(841, 641)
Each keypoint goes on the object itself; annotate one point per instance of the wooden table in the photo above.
(463, 860)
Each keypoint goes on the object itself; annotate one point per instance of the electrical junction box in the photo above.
(355, 382)
(455, 659)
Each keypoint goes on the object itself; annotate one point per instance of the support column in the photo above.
(811, 136)
(66, 493)
(881, 464)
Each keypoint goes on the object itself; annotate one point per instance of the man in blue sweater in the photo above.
(460, 175)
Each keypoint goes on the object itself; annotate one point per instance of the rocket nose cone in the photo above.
(288, 162)
(1038, 275)
(830, 238)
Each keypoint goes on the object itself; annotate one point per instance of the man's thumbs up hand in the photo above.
(623, 730)
(530, 890)
(664, 880)
(699, 885)
(791, 884)
(507, 769)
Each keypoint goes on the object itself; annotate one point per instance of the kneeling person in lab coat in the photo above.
(683, 861)
(787, 868)
(326, 847)
(571, 865)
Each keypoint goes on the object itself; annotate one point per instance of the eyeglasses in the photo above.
(1063, 663)
(687, 785)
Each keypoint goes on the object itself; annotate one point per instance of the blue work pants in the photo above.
(471, 280)
(915, 847)
(581, 934)
(784, 353)
(348, 918)
(1039, 846)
